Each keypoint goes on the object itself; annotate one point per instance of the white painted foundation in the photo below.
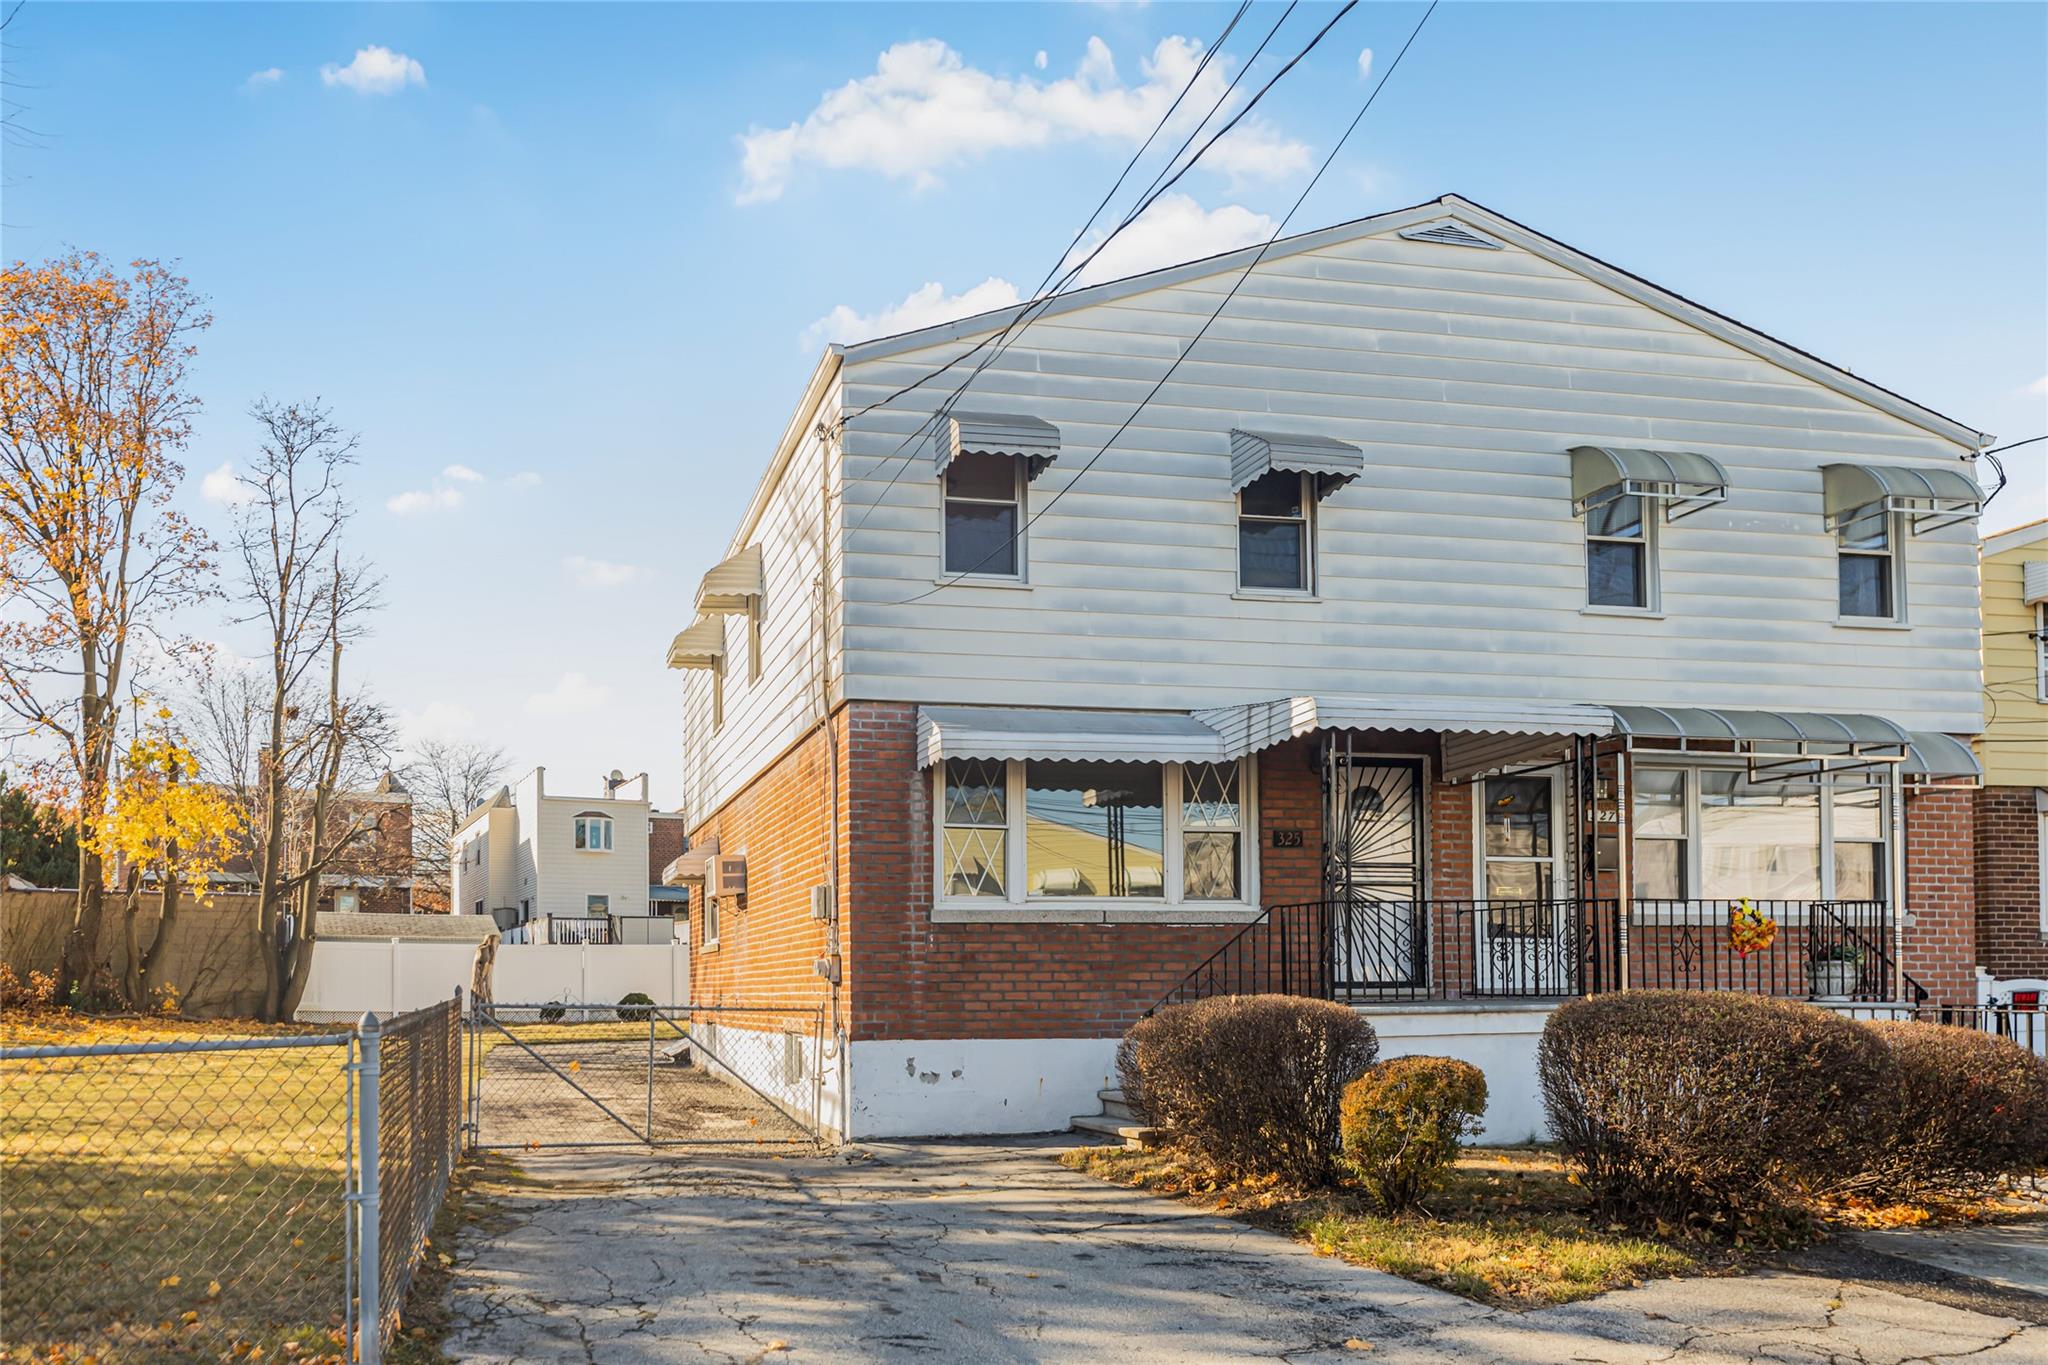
(961, 1086)
(1499, 1040)
(957, 1087)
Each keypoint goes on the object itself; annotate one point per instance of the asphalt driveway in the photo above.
(991, 1252)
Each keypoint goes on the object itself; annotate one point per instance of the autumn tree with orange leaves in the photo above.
(93, 558)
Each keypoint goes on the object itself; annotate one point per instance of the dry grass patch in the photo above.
(1508, 1228)
(171, 1207)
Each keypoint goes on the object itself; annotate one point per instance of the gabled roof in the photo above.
(1495, 225)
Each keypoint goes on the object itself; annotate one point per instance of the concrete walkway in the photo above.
(984, 1252)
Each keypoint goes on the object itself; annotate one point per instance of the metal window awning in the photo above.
(699, 645)
(1254, 454)
(1683, 480)
(733, 586)
(691, 866)
(2034, 581)
(1780, 745)
(1933, 497)
(1044, 733)
(1252, 726)
(1931, 755)
(1031, 439)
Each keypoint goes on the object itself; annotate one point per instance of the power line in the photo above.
(999, 341)
(1029, 313)
(1210, 320)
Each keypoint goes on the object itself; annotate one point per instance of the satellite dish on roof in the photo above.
(617, 777)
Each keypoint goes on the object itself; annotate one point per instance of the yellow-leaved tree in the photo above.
(93, 557)
(162, 829)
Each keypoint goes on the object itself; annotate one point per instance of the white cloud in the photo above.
(437, 720)
(375, 71)
(462, 473)
(2038, 388)
(1040, 60)
(924, 109)
(412, 502)
(925, 306)
(525, 478)
(221, 486)
(599, 573)
(1174, 229)
(572, 695)
(1364, 63)
(269, 75)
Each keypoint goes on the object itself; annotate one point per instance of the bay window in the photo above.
(1707, 833)
(1061, 831)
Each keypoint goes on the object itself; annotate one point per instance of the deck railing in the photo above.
(579, 929)
(1411, 950)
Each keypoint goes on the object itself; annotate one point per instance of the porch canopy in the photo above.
(1031, 439)
(691, 866)
(1931, 756)
(1254, 454)
(1932, 497)
(1480, 734)
(1045, 733)
(1683, 480)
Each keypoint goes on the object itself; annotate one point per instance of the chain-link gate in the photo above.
(585, 1076)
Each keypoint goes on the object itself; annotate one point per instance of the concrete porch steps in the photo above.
(1117, 1120)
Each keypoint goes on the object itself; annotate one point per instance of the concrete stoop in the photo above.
(1117, 1120)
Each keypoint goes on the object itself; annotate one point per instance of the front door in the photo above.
(1525, 937)
(1372, 861)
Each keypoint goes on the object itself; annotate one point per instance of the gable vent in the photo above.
(1447, 232)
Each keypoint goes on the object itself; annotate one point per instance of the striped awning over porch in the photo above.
(1045, 733)
(1262, 724)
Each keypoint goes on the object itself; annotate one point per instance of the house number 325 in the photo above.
(1287, 838)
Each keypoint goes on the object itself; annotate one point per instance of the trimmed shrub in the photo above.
(1961, 1108)
(631, 1015)
(1404, 1122)
(1248, 1084)
(1693, 1109)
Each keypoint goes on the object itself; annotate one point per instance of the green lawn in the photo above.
(181, 1207)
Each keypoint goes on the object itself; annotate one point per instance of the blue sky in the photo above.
(584, 256)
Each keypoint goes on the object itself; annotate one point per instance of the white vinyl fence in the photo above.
(390, 976)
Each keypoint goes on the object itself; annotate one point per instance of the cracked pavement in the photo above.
(992, 1252)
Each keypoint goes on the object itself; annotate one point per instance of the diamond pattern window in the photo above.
(977, 827)
(1212, 832)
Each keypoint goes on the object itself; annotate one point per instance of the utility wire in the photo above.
(1030, 312)
(1208, 54)
(998, 342)
(1207, 323)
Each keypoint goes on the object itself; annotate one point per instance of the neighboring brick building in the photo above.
(1350, 664)
(2012, 809)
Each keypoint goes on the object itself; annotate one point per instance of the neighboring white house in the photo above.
(527, 854)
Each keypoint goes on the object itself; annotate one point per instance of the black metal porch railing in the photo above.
(1405, 951)
(1817, 950)
(1416, 950)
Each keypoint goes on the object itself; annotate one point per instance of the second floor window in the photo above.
(1866, 570)
(1618, 561)
(1275, 534)
(594, 833)
(984, 499)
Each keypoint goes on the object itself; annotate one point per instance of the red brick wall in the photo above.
(2007, 854)
(1941, 940)
(664, 843)
(768, 943)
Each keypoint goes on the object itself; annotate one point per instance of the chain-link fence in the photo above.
(554, 1075)
(204, 1199)
(417, 1075)
(175, 1200)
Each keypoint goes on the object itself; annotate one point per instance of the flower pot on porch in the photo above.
(1833, 979)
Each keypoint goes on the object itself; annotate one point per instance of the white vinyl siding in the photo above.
(1454, 563)
(762, 715)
